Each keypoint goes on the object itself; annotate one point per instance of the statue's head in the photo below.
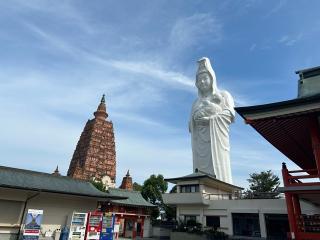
(205, 78)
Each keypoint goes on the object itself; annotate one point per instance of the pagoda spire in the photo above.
(127, 182)
(56, 172)
(101, 112)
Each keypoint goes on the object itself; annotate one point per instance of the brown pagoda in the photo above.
(127, 182)
(95, 155)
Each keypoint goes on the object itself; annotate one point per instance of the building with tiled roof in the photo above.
(132, 212)
(57, 196)
(131, 198)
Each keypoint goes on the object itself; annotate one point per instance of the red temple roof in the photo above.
(286, 126)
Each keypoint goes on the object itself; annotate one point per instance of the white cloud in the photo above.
(192, 30)
(155, 71)
(148, 67)
(276, 8)
(143, 121)
(290, 40)
(63, 11)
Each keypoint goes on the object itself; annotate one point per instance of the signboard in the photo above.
(32, 224)
(116, 228)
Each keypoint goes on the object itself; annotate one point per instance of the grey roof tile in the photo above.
(45, 182)
(133, 198)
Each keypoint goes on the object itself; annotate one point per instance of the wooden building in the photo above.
(293, 128)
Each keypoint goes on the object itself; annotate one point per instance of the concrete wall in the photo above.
(225, 208)
(10, 212)
(147, 228)
(57, 209)
(183, 198)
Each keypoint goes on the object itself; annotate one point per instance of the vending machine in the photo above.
(108, 220)
(78, 226)
(94, 226)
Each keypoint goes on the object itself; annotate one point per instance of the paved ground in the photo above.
(138, 238)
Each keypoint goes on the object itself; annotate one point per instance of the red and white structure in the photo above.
(293, 127)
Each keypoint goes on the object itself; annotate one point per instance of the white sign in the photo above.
(116, 228)
(32, 224)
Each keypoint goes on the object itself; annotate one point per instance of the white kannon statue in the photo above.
(211, 115)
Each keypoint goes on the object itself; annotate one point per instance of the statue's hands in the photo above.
(201, 117)
(203, 121)
(198, 115)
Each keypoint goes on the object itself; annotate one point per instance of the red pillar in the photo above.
(285, 175)
(297, 212)
(291, 216)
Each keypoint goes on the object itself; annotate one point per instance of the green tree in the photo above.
(152, 191)
(263, 185)
(137, 187)
(173, 189)
(153, 188)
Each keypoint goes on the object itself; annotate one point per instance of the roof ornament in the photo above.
(56, 172)
(103, 100)
(101, 112)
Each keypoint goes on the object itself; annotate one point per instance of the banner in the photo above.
(32, 224)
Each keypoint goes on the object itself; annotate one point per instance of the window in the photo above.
(189, 188)
(213, 221)
(190, 217)
(246, 224)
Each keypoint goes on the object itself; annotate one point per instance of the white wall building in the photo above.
(212, 202)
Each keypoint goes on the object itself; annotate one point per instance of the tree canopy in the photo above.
(263, 185)
(173, 189)
(137, 187)
(153, 188)
(152, 191)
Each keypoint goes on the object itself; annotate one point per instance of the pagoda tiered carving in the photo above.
(127, 182)
(95, 157)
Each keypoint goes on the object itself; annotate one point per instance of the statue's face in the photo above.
(203, 82)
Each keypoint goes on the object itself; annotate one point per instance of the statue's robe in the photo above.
(210, 140)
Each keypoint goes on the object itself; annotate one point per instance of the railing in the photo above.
(300, 177)
(219, 196)
(239, 195)
(309, 223)
(301, 226)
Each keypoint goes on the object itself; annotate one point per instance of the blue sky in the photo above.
(57, 59)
